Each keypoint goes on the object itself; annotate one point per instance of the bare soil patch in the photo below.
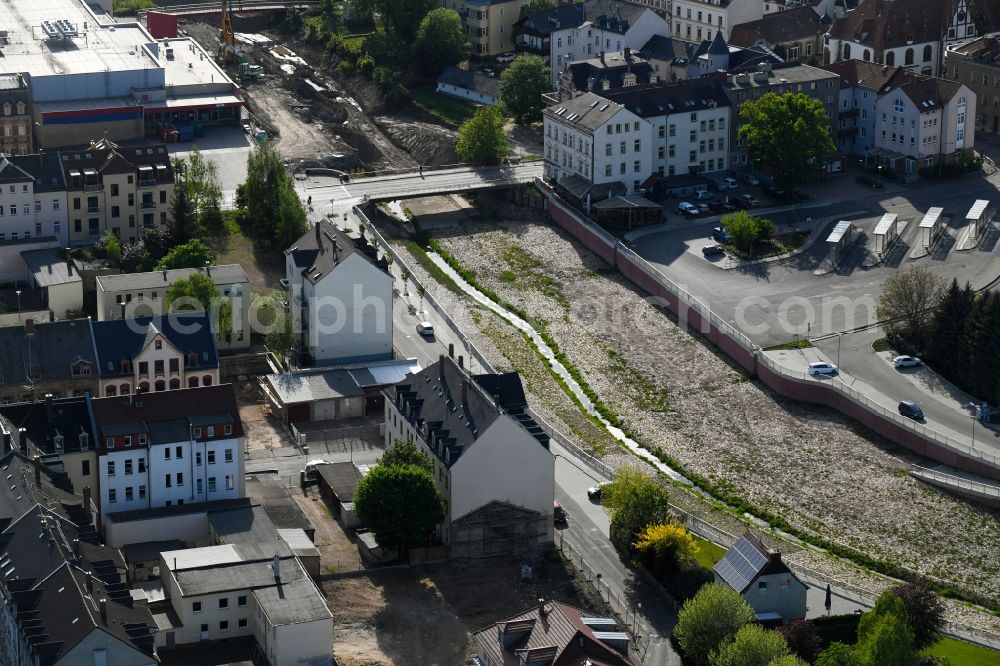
(338, 552)
(264, 265)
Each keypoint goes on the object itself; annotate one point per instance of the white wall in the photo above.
(686, 24)
(190, 527)
(309, 643)
(784, 594)
(63, 297)
(116, 651)
(18, 216)
(587, 40)
(466, 94)
(121, 481)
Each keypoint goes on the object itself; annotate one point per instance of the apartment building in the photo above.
(608, 71)
(609, 26)
(145, 294)
(16, 136)
(489, 24)
(117, 189)
(700, 20)
(794, 34)
(533, 32)
(48, 189)
(976, 64)
(168, 449)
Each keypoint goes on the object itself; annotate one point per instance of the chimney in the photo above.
(29, 326)
(441, 367)
(123, 310)
(22, 440)
(451, 350)
(465, 391)
(69, 261)
(602, 57)
(50, 411)
(628, 54)
(461, 361)
(774, 556)
(37, 462)
(104, 610)
(76, 548)
(90, 581)
(541, 607)
(277, 568)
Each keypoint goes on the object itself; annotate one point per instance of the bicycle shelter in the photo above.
(886, 233)
(839, 240)
(978, 217)
(931, 226)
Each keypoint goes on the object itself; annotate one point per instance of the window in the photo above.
(128, 467)
(179, 452)
(180, 478)
(85, 468)
(142, 492)
(636, 166)
(198, 486)
(55, 204)
(229, 455)
(112, 495)
(621, 147)
(197, 435)
(196, 607)
(110, 442)
(762, 586)
(229, 482)
(224, 625)
(228, 429)
(204, 628)
(242, 623)
(637, 146)
(166, 453)
(607, 170)
(211, 484)
(168, 481)
(607, 150)
(111, 468)
(210, 431)
(224, 602)
(128, 494)
(197, 458)
(241, 601)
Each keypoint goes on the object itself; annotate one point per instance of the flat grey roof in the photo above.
(225, 274)
(978, 209)
(49, 268)
(883, 226)
(195, 558)
(931, 218)
(293, 603)
(238, 576)
(838, 232)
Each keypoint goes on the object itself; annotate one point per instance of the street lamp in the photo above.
(839, 336)
(18, 292)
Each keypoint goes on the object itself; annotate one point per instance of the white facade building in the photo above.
(700, 20)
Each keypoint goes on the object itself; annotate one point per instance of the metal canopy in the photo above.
(838, 232)
(931, 218)
(978, 209)
(885, 224)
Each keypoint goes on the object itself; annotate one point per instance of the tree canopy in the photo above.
(405, 452)
(790, 133)
(193, 254)
(885, 637)
(268, 197)
(440, 41)
(521, 87)
(836, 654)
(198, 292)
(536, 6)
(924, 610)
(400, 504)
(753, 645)
(708, 619)
(481, 138)
(666, 547)
(400, 17)
(908, 301)
(634, 500)
(745, 230)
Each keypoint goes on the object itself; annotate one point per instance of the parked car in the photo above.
(505, 58)
(488, 71)
(713, 250)
(702, 195)
(746, 201)
(906, 362)
(687, 208)
(426, 329)
(729, 206)
(559, 514)
(715, 206)
(821, 368)
(728, 184)
(312, 465)
(911, 410)
(594, 492)
(751, 180)
(702, 207)
(721, 235)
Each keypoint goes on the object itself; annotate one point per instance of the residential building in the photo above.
(907, 33)
(976, 63)
(763, 579)
(609, 26)
(492, 462)
(794, 34)
(117, 189)
(63, 601)
(226, 591)
(606, 72)
(861, 84)
(153, 354)
(49, 189)
(340, 297)
(489, 24)
(16, 137)
(169, 448)
(470, 86)
(55, 358)
(743, 85)
(669, 57)
(136, 295)
(718, 56)
(533, 32)
(697, 20)
(57, 285)
(17, 203)
(553, 633)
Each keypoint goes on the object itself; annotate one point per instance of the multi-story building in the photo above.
(976, 64)
(489, 24)
(606, 72)
(698, 20)
(145, 295)
(492, 462)
(156, 354)
(744, 86)
(56, 358)
(907, 33)
(608, 26)
(795, 34)
(170, 448)
(16, 137)
(118, 189)
(533, 32)
(340, 297)
(49, 190)
(17, 200)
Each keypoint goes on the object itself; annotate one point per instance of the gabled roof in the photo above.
(474, 81)
(984, 50)
(926, 92)
(778, 28)
(68, 417)
(45, 168)
(661, 47)
(12, 173)
(748, 560)
(611, 69)
(324, 247)
(544, 21)
(554, 633)
(612, 15)
(107, 157)
(124, 339)
(862, 73)
(587, 111)
(46, 351)
(883, 24)
(20, 492)
(666, 99)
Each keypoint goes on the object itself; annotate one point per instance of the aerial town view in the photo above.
(500, 332)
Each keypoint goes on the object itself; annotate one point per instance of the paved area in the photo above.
(227, 148)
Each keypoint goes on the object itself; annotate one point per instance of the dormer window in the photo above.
(197, 433)
(192, 359)
(84, 441)
(128, 440)
(80, 369)
(58, 442)
(126, 366)
(142, 440)
(110, 442)
(158, 343)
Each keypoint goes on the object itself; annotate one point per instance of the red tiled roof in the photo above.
(778, 28)
(883, 79)
(885, 24)
(169, 406)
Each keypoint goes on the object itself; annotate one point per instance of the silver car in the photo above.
(821, 368)
(906, 362)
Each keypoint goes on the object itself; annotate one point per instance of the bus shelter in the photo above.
(839, 240)
(931, 226)
(886, 233)
(978, 217)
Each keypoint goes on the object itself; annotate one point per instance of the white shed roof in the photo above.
(885, 224)
(977, 209)
(838, 231)
(931, 218)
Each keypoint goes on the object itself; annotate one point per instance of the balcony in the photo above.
(147, 205)
(93, 187)
(147, 182)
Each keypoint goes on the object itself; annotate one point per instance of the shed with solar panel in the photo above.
(763, 579)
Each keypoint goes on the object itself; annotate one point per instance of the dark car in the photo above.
(729, 206)
(911, 410)
(559, 515)
(721, 235)
(713, 250)
(746, 201)
(594, 493)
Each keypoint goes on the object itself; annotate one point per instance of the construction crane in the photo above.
(227, 49)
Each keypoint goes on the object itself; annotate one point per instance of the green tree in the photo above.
(268, 196)
(802, 638)
(198, 292)
(111, 247)
(836, 654)
(481, 138)
(400, 17)
(281, 337)
(788, 660)
(924, 610)
(133, 256)
(981, 346)
(708, 619)
(790, 133)
(182, 213)
(536, 6)
(201, 176)
(634, 500)
(908, 301)
(666, 547)
(745, 230)
(193, 254)
(405, 452)
(440, 41)
(753, 645)
(521, 87)
(154, 242)
(400, 504)
(885, 637)
(948, 329)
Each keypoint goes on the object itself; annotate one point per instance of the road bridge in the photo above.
(215, 7)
